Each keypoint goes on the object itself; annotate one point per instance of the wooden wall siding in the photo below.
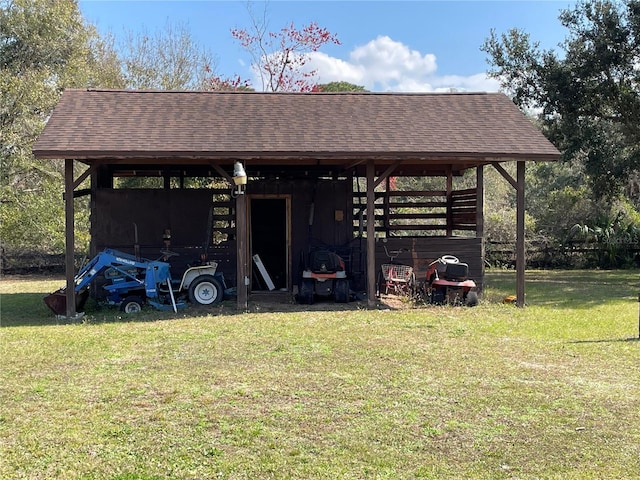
(332, 213)
(464, 209)
(114, 213)
(416, 213)
(222, 216)
(327, 197)
(423, 250)
(185, 212)
(188, 213)
(222, 234)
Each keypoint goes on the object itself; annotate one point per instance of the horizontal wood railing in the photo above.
(417, 212)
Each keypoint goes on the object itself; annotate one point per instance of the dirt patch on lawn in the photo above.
(286, 302)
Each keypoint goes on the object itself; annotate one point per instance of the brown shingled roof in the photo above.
(186, 126)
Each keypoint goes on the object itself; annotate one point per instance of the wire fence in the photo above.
(539, 254)
(36, 263)
(574, 254)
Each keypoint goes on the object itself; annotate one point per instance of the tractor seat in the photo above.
(324, 261)
(456, 272)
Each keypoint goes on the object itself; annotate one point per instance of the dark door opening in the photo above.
(269, 240)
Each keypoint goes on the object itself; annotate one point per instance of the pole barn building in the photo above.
(323, 169)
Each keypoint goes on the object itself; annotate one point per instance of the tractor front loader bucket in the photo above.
(57, 301)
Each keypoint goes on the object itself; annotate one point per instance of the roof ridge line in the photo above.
(242, 92)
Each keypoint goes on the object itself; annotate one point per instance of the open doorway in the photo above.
(270, 241)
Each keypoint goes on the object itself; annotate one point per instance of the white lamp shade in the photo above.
(239, 175)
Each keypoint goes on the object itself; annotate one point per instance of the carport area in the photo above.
(342, 170)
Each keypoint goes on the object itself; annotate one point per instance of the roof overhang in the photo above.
(421, 131)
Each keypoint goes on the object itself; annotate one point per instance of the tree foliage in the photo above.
(168, 59)
(279, 58)
(45, 46)
(586, 96)
(340, 87)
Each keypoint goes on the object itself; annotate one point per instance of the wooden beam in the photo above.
(353, 165)
(242, 286)
(81, 193)
(520, 250)
(92, 168)
(69, 239)
(223, 174)
(371, 236)
(506, 175)
(386, 173)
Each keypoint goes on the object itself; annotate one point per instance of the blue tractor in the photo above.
(132, 282)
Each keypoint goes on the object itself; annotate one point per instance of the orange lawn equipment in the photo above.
(447, 282)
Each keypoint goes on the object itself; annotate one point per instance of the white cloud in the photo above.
(479, 82)
(384, 64)
(387, 61)
(335, 69)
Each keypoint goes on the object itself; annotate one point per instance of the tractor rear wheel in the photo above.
(438, 296)
(307, 288)
(471, 300)
(132, 304)
(205, 290)
(341, 290)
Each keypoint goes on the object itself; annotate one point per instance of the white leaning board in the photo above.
(263, 272)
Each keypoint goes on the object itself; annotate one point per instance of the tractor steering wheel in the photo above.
(167, 254)
(449, 259)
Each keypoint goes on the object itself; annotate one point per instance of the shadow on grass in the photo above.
(23, 309)
(29, 309)
(609, 340)
(558, 289)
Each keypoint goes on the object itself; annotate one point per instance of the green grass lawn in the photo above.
(491, 392)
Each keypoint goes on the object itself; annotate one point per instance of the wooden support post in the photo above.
(480, 218)
(449, 202)
(480, 201)
(518, 184)
(386, 201)
(520, 251)
(69, 239)
(242, 286)
(371, 236)
(96, 177)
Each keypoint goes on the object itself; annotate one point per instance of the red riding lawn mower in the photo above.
(324, 276)
(447, 282)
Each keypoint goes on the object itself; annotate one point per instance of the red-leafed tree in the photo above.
(279, 58)
(218, 83)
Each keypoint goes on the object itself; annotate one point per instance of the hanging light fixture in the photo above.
(239, 179)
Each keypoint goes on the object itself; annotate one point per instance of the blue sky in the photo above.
(415, 45)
